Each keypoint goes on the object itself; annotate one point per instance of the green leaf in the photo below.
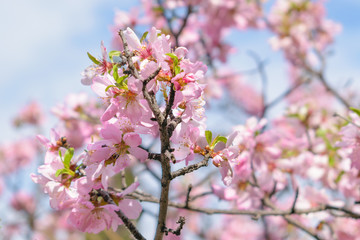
(67, 157)
(158, 9)
(121, 79)
(115, 72)
(331, 161)
(174, 58)
(60, 154)
(355, 110)
(338, 178)
(93, 59)
(143, 37)
(108, 87)
(219, 139)
(64, 171)
(208, 135)
(177, 70)
(114, 53)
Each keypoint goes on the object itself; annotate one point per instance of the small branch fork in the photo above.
(129, 225)
(321, 77)
(176, 34)
(177, 231)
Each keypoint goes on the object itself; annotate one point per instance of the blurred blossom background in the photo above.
(43, 47)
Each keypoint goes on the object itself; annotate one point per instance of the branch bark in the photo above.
(253, 212)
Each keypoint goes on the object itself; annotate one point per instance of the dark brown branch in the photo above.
(171, 101)
(191, 168)
(154, 156)
(295, 199)
(172, 125)
(128, 224)
(176, 232)
(188, 196)
(164, 138)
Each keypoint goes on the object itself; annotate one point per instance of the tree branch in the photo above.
(128, 224)
(320, 76)
(176, 232)
(192, 167)
(253, 212)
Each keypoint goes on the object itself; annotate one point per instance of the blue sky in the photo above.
(43, 49)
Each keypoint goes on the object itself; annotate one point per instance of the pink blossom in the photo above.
(23, 201)
(351, 139)
(94, 215)
(31, 114)
(88, 218)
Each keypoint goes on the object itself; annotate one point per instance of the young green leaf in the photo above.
(121, 79)
(143, 37)
(108, 87)
(331, 161)
(64, 171)
(355, 110)
(158, 9)
(174, 58)
(115, 72)
(93, 59)
(67, 157)
(338, 178)
(217, 140)
(114, 53)
(177, 70)
(208, 135)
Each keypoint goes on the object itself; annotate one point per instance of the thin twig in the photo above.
(176, 232)
(295, 199)
(320, 76)
(188, 196)
(264, 79)
(283, 95)
(347, 120)
(128, 224)
(191, 168)
(292, 221)
(253, 212)
(152, 172)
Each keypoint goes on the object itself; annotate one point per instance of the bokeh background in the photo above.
(43, 47)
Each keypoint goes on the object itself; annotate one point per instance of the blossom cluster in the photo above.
(78, 182)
